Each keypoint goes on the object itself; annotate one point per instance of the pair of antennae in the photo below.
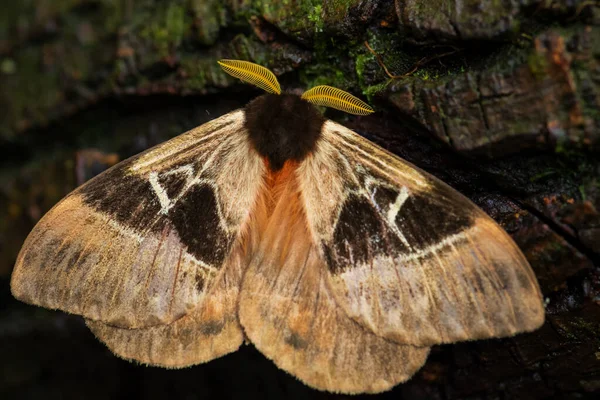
(321, 95)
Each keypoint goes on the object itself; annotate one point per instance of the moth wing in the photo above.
(210, 331)
(406, 255)
(289, 313)
(142, 243)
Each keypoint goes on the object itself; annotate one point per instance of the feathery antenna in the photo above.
(252, 73)
(329, 96)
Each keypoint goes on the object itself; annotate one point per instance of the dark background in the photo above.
(501, 99)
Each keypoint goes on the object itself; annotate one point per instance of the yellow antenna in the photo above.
(252, 73)
(329, 96)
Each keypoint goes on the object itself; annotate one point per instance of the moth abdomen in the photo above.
(283, 127)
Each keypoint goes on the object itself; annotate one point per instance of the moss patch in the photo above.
(166, 27)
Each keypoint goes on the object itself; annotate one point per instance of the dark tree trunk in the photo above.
(501, 99)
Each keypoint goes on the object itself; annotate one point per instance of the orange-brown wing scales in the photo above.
(210, 331)
(410, 258)
(288, 312)
(78, 260)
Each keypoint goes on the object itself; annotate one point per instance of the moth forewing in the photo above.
(129, 248)
(453, 273)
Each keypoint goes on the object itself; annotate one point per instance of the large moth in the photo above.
(338, 260)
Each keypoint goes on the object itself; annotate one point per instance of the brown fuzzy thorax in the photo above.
(283, 127)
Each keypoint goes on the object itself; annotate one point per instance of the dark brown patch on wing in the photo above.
(423, 222)
(173, 184)
(200, 283)
(196, 219)
(363, 232)
(296, 341)
(383, 196)
(132, 202)
(360, 234)
(212, 327)
(126, 198)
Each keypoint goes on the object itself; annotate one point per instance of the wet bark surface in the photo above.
(499, 99)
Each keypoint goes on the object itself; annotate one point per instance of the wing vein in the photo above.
(175, 279)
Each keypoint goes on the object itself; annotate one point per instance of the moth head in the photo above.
(322, 95)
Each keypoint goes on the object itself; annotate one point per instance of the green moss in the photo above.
(113, 15)
(315, 16)
(323, 74)
(582, 192)
(201, 73)
(8, 66)
(31, 94)
(399, 59)
(300, 18)
(32, 81)
(210, 15)
(372, 91)
(335, 11)
(175, 24)
(243, 47)
(543, 175)
(167, 29)
(431, 8)
(27, 15)
(537, 65)
(312, 20)
(423, 74)
(361, 61)
(291, 17)
(592, 327)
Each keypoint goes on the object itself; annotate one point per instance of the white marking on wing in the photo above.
(352, 276)
(393, 212)
(395, 207)
(165, 202)
(159, 191)
(434, 248)
(206, 267)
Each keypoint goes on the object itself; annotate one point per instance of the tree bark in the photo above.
(499, 99)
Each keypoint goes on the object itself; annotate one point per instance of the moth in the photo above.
(338, 260)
